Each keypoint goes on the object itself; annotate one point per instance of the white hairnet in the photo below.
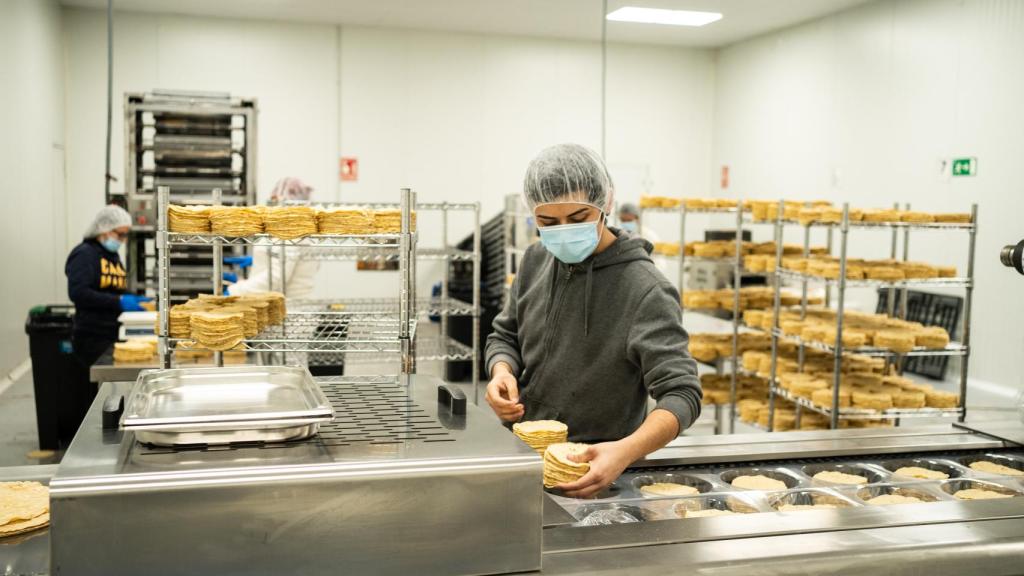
(107, 219)
(290, 188)
(568, 173)
(629, 209)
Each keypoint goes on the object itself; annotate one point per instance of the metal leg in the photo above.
(477, 261)
(682, 252)
(444, 279)
(218, 273)
(968, 300)
(838, 364)
(163, 290)
(405, 292)
(736, 284)
(777, 299)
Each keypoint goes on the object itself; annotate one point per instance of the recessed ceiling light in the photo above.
(662, 16)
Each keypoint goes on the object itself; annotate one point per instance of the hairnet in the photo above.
(290, 188)
(108, 218)
(629, 209)
(567, 173)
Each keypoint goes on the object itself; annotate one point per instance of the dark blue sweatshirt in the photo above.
(96, 280)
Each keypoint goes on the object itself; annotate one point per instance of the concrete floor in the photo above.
(18, 425)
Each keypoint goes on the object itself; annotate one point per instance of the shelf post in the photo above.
(965, 339)
(776, 302)
(163, 303)
(838, 351)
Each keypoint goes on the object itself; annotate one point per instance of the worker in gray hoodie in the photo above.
(591, 327)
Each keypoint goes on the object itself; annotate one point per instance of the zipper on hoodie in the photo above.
(556, 310)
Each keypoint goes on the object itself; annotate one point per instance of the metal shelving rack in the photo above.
(961, 349)
(738, 272)
(301, 330)
(444, 348)
(193, 143)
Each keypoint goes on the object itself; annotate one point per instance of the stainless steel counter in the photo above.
(943, 536)
(395, 485)
(946, 536)
(106, 370)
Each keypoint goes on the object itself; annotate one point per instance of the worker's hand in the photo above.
(133, 302)
(229, 277)
(503, 395)
(607, 461)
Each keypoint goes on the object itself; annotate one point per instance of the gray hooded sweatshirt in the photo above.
(588, 342)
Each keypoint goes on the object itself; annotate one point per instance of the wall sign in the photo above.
(348, 169)
(965, 166)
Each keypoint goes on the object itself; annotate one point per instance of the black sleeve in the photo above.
(83, 272)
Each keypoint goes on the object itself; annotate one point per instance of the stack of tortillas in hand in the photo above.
(24, 506)
(343, 221)
(188, 219)
(289, 222)
(218, 330)
(558, 469)
(539, 434)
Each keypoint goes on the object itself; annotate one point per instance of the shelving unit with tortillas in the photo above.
(843, 335)
(328, 331)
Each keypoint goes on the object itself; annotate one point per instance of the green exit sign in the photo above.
(965, 166)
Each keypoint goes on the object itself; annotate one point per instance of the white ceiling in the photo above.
(577, 19)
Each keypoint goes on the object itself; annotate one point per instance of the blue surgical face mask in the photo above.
(111, 244)
(571, 243)
(630, 226)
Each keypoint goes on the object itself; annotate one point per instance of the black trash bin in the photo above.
(55, 373)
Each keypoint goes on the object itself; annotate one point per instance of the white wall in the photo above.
(455, 116)
(861, 106)
(32, 226)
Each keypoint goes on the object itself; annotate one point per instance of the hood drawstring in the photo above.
(586, 298)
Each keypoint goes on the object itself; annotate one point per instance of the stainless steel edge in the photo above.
(742, 526)
(992, 547)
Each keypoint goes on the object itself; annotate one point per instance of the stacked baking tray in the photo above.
(624, 502)
(193, 143)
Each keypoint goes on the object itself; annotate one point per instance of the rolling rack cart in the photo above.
(192, 143)
(737, 275)
(961, 349)
(428, 349)
(367, 332)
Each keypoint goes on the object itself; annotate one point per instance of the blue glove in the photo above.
(240, 261)
(230, 277)
(132, 302)
(224, 291)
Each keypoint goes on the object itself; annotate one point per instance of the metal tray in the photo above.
(225, 405)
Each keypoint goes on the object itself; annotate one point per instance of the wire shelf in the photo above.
(313, 332)
(378, 253)
(386, 306)
(873, 225)
(936, 282)
(678, 209)
(953, 349)
(391, 241)
(866, 413)
(431, 206)
(428, 349)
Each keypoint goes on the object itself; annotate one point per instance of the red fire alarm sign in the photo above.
(348, 168)
(725, 177)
